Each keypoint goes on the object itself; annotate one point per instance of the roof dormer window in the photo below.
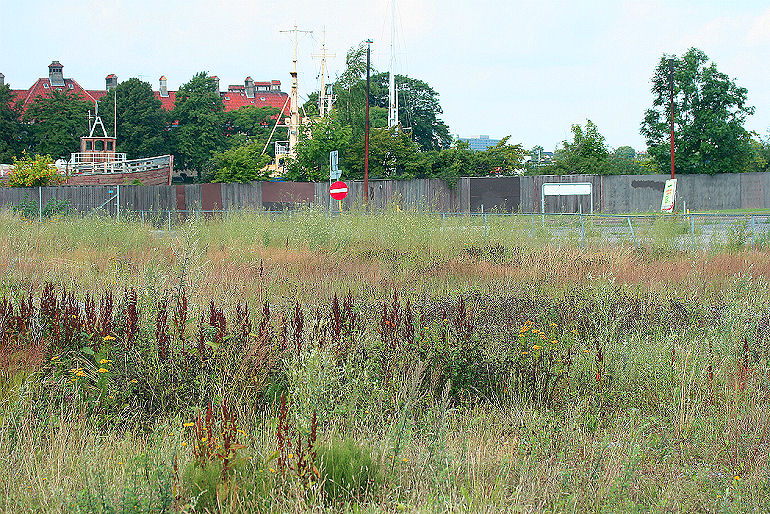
(45, 85)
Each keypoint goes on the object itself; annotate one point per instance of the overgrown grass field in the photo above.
(380, 363)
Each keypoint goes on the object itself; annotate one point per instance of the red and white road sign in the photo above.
(338, 190)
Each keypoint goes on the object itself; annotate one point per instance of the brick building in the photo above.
(251, 93)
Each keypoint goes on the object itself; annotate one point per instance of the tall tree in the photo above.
(14, 135)
(709, 112)
(350, 90)
(586, 153)
(418, 109)
(58, 123)
(200, 115)
(142, 123)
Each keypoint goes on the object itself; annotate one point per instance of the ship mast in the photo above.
(324, 100)
(294, 119)
(392, 92)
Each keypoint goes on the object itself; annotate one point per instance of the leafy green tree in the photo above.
(201, 123)
(709, 112)
(58, 123)
(241, 164)
(760, 154)
(392, 154)
(587, 153)
(317, 139)
(14, 135)
(142, 123)
(625, 152)
(350, 90)
(29, 172)
(501, 158)
(418, 109)
(250, 124)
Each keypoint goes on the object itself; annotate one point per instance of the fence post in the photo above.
(582, 225)
(753, 233)
(40, 203)
(117, 203)
(169, 221)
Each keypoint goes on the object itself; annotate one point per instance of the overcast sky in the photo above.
(525, 68)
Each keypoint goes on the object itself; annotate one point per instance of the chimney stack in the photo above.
(216, 81)
(163, 87)
(56, 73)
(112, 81)
(2, 79)
(249, 83)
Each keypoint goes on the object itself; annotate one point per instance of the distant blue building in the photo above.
(480, 143)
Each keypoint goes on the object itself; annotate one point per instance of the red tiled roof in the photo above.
(166, 102)
(232, 99)
(42, 88)
(235, 99)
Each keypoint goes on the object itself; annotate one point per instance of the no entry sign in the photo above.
(338, 190)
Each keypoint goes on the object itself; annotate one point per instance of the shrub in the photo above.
(29, 172)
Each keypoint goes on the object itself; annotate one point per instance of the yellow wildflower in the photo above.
(291, 455)
(241, 431)
(105, 361)
(102, 370)
(272, 470)
(404, 459)
(536, 347)
(109, 338)
(524, 353)
(204, 439)
(189, 424)
(184, 444)
(737, 477)
(55, 357)
(133, 381)
(110, 397)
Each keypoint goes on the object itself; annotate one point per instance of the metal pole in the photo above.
(117, 203)
(366, 124)
(671, 86)
(633, 234)
(169, 221)
(39, 203)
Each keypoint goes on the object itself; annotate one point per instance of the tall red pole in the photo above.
(671, 85)
(366, 125)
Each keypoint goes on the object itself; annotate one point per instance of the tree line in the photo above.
(710, 111)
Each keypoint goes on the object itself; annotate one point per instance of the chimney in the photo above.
(112, 81)
(2, 79)
(163, 87)
(56, 73)
(249, 83)
(216, 81)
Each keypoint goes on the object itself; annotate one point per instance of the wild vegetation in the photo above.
(397, 361)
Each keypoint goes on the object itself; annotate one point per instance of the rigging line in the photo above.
(277, 119)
